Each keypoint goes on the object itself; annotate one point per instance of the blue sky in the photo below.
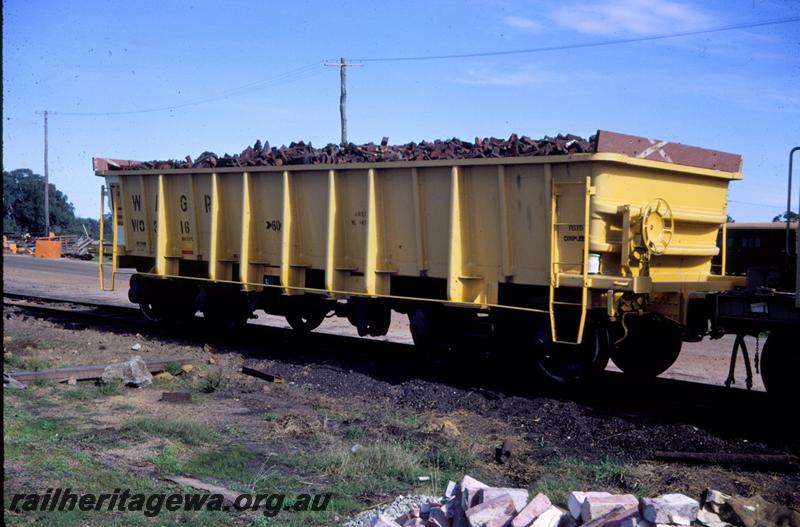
(737, 91)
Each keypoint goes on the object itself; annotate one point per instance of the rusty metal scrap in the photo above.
(725, 458)
(269, 377)
(176, 397)
(305, 154)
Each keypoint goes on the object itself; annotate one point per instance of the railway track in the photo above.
(726, 411)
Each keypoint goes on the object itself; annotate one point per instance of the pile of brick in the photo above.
(472, 503)
(304, 154)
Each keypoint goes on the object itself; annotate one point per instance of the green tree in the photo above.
(786, 216)
(23, 205)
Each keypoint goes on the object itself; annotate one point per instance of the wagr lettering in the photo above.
(137, 224)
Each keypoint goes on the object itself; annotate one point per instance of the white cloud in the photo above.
(523, 23)
(637, 17)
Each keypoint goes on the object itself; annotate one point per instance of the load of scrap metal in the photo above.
(305, 154)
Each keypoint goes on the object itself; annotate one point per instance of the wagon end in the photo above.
(103, 164)
(664, 151)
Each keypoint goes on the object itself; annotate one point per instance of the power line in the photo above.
(288, 76)
(584, 45)
(764, 205)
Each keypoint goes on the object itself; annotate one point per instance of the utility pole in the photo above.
(343, 99)
(46, 183)
(342, 65)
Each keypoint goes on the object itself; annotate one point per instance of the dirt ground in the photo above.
(363, 419)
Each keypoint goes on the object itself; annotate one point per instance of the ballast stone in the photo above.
(576, 499)
(676, 509)
(132, 372)
(380, 520)
(596, 506)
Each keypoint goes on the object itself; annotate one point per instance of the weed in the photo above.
(167, 460)
(26, 363)
(382, 467)
(354, 432)
(410, 420)
(174, 368)
(116, 387)
(80, 394)
(211, 382)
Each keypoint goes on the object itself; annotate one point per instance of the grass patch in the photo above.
(228, 463)
(380, 469)
(22, 432)
(173, 368)
(116, 387)
(567, 474)
(410, 420)
(80, 394)
(386, 467)
(451, 459)
(43, 459)
(184, 431)
(26, 363)
(83, 393)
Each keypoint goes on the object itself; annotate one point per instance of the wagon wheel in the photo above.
(305, 321)
(564, 364)
(657, 226)
(151, 312)
(648, 348)
(162, 313)
(779, 365)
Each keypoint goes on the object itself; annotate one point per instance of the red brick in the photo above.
(596, 506)
(491, 510)
(532, 510)
(518, 496)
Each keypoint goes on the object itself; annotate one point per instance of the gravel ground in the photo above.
(399, 506)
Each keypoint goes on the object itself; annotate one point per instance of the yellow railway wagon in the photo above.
(570, 257)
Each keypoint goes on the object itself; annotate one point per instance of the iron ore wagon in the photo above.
(569, 258)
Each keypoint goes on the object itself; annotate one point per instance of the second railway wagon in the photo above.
(566, 258)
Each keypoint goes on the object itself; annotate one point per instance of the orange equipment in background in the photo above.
(47, 248)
